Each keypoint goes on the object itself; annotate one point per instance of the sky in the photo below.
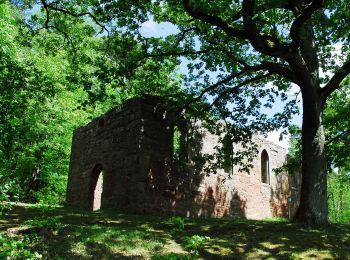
(153, 29)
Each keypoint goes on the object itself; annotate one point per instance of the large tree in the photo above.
(244, 44)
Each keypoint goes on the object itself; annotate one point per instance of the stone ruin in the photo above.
(124, 160)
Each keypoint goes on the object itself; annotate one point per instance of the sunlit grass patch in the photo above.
(276, 219)
(220, 250)
(269, 245)
(122, 241)
(314, 254)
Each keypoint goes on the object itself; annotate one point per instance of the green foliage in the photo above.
(176, 221)
(337, 128)
(339, 196)
(176, 142)
(17, 248)
(195, 243)
(5, 188)
(42, 101)
(49, 223)
(293, 164)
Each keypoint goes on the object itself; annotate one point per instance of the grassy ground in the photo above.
(66, 234)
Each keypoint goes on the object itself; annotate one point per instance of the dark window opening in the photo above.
(176, 142)
(227, 148)
(180, 143)
(265, 171)
(101, 122)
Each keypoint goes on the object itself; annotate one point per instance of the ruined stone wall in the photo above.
(125, 143)
(133, 145)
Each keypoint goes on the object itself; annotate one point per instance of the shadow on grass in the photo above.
(100, 235)
(110, 235)
(265, 239)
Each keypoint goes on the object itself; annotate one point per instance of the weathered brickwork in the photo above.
(133, 146)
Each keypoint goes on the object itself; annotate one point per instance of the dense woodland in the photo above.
(63, 63)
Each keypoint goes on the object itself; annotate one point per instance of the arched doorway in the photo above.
(96, 188)
(265, 172)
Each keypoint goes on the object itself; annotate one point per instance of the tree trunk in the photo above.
(313, 207)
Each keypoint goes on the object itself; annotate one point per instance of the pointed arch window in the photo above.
(265, 171)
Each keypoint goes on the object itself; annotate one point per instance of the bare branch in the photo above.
(335, 81)
(217, 84)
(54, 6)
(238, 86)
(47, 25)
(337, 136)
(272, 68)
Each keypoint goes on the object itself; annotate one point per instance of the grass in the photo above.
(111, 235)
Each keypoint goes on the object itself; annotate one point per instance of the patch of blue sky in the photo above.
(159, 30)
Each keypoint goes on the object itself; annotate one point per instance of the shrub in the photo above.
(195, 243)
(176, 221)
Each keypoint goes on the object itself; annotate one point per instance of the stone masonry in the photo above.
(124, 160)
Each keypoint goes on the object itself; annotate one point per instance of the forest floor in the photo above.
(33, 232)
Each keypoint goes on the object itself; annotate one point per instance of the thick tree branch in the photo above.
(214, 20)
(274, 68)
(265, 44)
(279, 69)
(275, 4)
(161, 54)
(301, 19)
(335, 81)
(47, 11)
